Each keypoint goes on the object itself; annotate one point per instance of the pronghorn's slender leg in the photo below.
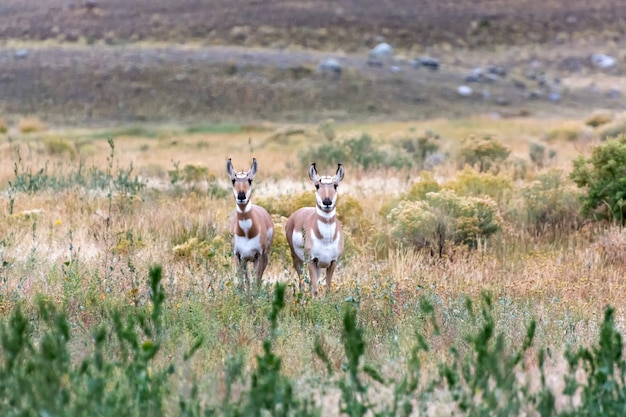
(314, 275)
(259, 266)
(329, 275)
(298, 265)
(265, 259)
(242, 272)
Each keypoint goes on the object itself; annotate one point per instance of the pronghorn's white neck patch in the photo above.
(246, 208)
(328, 215)
(327, 231)
(245, 225)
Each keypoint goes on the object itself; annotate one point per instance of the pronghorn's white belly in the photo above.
(325, 250)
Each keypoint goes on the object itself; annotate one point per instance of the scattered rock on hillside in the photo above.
(602, 61)
(614, 93)
(91, 4)
(434, 159)
(464, 91)
(21, 53)
(502, 101)
(496, 70)
(476, 76)
(331, 66)
(554, 96)
(426, 62)
(382, 51)
(571, 64)
(519, 84)
(490, 78)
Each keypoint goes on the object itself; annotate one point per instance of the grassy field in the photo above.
(474, 281)
(85, 218)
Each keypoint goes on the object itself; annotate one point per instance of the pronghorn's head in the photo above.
(242, 181)
(326, 187)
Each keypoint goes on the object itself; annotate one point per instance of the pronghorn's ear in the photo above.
(313, 173)
(339, 174)
(253, 169)
(230, 169)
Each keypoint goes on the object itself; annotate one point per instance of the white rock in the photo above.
(21, 53)
(382, 50)
(554, 96)
(331, 65)
(602, 61)
(464, 91)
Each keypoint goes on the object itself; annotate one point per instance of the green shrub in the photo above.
(59, 146)
(471, 183)
(442, 218)
(351, 213)
(602, 392)
(359, 152)
(484, 381)
(195, 175)
(603, 176)
(421, 147)
(568, 131)
(417, 192)
(269, 392)
(483, 153)
(31, 125)
(549, 205)
(538, 155)
(599, 118)
(32, 180)
(327, 130)
(285, 205)
(613, 129)
(121, 376)
(188, 174)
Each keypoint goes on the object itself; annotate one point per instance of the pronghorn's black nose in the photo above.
(241, 195)
(327, 202)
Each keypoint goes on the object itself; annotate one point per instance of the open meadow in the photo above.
(484, 268)
(89, 212)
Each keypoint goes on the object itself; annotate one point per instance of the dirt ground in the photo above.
(311, 23)
(199, 60)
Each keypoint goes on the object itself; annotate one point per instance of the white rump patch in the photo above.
(270, 234)
(298, 244)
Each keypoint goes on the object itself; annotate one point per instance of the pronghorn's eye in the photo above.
(317, 186)
(233, 181)
(250, 181)
(335, 185)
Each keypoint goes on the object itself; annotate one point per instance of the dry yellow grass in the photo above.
(31, 124)
(559, 283)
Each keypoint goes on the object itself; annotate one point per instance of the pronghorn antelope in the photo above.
(251, 226)
(314, 233)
